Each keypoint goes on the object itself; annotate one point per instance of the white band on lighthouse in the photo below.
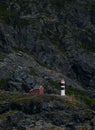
(63, 86)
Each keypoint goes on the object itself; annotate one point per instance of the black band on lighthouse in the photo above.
(62, 84)
(62, 88)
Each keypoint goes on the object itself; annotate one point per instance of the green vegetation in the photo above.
(36, 98)
(54, 84)
(55, 128)
(3, 97)
(87, 100)
(74, 91)
(81, 95)
(88, 47)
(33, 73)
(2, 56)
(9, 97)
(3, 82)
(4, 13)
(41, 63)
(5, 115)
(60, 3)
(21, 22)
(25, 98)
(11, 16)
(74, 96)
(19, 47)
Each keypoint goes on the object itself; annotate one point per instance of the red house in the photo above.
(37, 89)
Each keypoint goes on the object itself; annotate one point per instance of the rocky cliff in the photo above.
(42, 41)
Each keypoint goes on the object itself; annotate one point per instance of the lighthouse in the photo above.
(62, 87)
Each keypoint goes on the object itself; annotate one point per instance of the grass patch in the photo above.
(81, 95)
(25, 99)
(8, 97)
(73, 91)
(3, 96)
(37, 98)
(5, 115)
(71, 100)
(87, 100)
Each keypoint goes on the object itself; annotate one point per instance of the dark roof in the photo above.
(37, 86)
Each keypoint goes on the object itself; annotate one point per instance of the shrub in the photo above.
(3, 83)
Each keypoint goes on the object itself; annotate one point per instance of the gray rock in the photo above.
(15, 86)
(29, 80)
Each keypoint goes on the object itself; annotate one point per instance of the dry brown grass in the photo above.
(72, 100)
(49, 128)
(86, 127)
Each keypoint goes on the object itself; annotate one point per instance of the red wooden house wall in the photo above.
(37, 91)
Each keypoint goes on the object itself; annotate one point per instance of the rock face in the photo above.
(59, 34)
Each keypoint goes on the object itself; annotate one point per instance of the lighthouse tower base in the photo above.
(62, 92)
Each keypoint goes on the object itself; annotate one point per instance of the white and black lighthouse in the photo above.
(62, 87)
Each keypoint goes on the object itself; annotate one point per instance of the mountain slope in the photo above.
(58, 33)
(43, 41)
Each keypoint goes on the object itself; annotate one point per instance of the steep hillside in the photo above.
(43, 41)
(60, 34)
